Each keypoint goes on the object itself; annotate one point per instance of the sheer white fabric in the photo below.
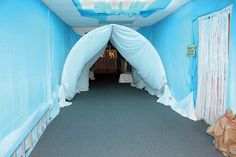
(212, 65)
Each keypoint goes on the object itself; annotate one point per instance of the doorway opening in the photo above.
(111, 66)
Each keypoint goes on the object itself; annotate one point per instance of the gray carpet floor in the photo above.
(116, 120)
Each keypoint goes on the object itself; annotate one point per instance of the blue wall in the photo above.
(34, 44)
(171, 37)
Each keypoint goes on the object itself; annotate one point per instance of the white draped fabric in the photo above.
(137, 50)
(83, 81)
(212, 65)
(125, 78)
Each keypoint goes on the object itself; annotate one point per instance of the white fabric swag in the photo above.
(148, 70)
(213, 65)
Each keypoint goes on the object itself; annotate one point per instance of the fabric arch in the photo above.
(135, 48)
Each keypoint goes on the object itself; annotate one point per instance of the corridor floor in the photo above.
(116, 120)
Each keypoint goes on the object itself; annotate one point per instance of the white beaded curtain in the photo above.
(213, 65)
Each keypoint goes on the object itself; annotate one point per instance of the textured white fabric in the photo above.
(83, 81)
(138, 82)
(212, 65)
(81, 53)
(125, 78)
(91, 75)
(184, 107)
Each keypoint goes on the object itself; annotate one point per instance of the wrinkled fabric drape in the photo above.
(140, 53)
(83, 81)
(82, 52)
(137, 50)
(139, 83)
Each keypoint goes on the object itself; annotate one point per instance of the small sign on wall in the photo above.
(191, 50)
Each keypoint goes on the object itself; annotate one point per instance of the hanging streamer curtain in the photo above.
(213, 65)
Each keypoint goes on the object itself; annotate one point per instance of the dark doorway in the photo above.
(110, 65)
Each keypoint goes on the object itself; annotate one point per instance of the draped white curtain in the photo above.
(133, 46)
(213, 65)
(137, 50)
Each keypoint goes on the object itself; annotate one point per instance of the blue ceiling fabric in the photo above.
(135, 48)
(102, 9)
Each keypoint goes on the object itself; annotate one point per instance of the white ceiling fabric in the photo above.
(66, 10)
(114, 3)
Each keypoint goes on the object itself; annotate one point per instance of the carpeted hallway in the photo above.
(116, 120)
